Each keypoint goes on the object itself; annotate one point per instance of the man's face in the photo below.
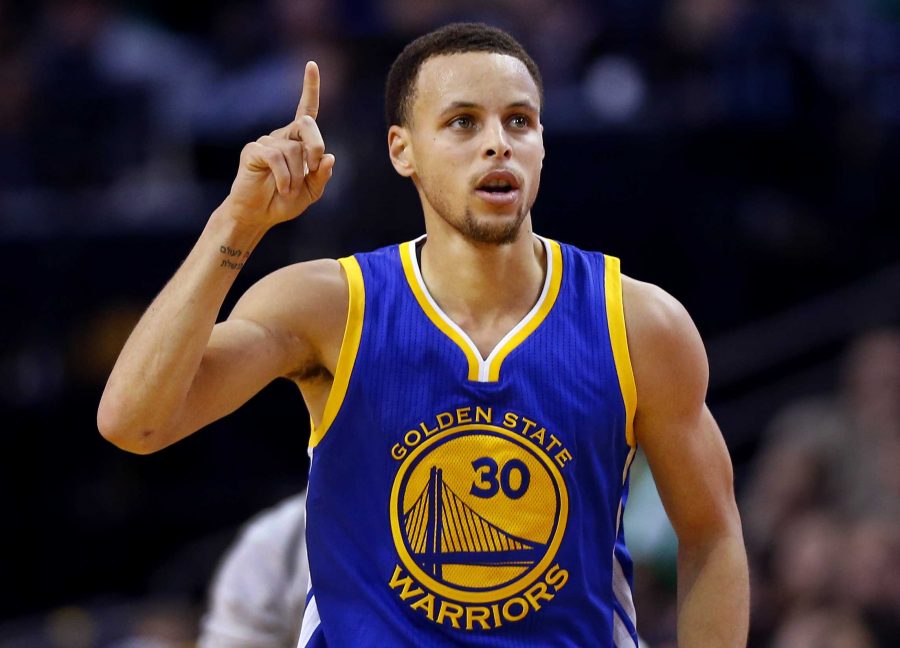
(476, 143)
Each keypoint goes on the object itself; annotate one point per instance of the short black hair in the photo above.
(455, 38)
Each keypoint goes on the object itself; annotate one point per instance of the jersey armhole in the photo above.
(615, 317)
(348, 352)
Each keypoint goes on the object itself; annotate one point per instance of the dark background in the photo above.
(743, 154)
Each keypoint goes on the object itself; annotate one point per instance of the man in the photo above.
(475, 402)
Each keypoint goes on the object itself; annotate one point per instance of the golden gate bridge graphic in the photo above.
(442, 529)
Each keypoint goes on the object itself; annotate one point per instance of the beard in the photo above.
(489, 233)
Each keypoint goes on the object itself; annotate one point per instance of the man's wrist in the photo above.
(232, 237)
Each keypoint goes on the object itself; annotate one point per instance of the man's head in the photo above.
(463, 105)
(456, 38)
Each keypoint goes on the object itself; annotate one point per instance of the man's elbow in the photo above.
(117, 430)
(721, 524)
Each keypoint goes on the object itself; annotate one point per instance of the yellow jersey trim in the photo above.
(349, 350)
(431, 309)
(536, 316)
(615, 317)
(485, 369)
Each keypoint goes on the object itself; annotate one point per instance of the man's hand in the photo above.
(283, 173)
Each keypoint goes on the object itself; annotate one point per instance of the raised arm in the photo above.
(691, 467)
(179, 370)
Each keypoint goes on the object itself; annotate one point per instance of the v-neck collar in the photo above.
(483, 369)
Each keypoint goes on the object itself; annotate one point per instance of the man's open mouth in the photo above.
(498, 187)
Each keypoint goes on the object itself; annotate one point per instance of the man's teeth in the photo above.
(496, 186)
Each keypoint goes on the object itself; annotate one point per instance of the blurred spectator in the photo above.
(823, 628)
(822, 507)
(869, 578)
(805, 553)
(840, 449)
(259, 593)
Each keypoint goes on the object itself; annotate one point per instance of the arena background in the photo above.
(743, 154)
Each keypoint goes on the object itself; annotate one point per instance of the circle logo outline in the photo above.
(519, 583)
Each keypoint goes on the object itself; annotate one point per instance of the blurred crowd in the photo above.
(821, 510)
(122, 110)
(754, 137)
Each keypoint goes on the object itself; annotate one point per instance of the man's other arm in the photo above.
(691, 467)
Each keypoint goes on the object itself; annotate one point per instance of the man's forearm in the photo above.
(713, 594)
(157, 365)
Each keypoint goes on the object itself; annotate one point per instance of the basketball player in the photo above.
(475, 398)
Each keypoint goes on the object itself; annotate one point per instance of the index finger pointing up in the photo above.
(309, 98)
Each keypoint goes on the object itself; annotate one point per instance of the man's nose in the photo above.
(497, 142)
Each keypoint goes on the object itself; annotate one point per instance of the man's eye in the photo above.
(520, 121)
(462, 122)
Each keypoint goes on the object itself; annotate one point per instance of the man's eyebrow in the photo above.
(523, 104)
(457, 105)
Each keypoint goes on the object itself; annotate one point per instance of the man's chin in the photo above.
(492, 229)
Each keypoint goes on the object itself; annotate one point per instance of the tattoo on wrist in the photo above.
(234, 257)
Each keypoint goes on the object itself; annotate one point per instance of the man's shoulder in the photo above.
(305, 280)
(651, 309)
(320, 282)
(663, 341)
(298, 299)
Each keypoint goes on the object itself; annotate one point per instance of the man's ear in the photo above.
(400, 151)
(543, 150)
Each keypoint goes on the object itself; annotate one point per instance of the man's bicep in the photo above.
(693, 474)
(682, 442)
(279, 327)
(302, 310)
(241, 358)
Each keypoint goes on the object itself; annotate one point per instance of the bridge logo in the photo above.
(478, 513)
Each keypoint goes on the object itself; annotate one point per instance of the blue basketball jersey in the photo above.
(461, 500)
